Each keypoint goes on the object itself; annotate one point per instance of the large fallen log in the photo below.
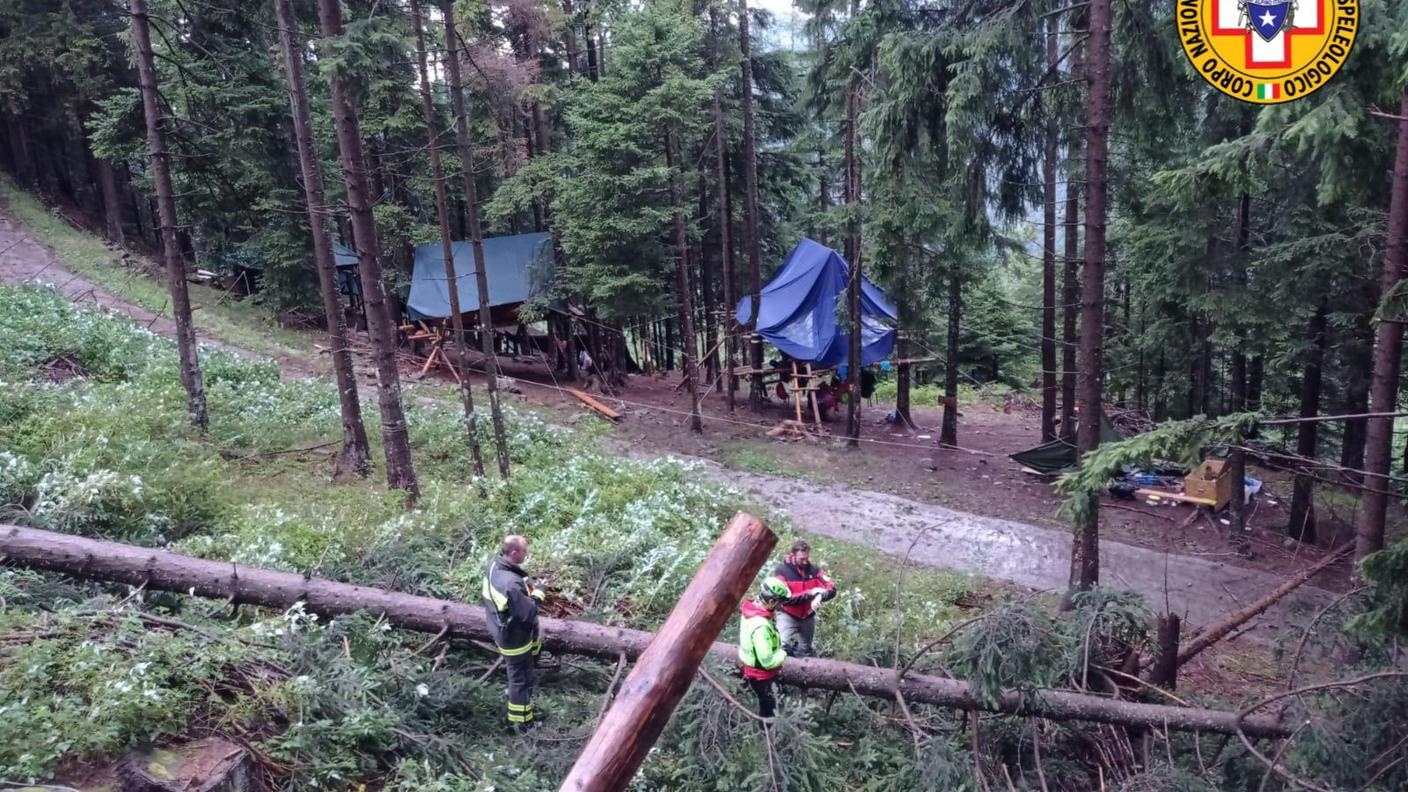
(669, 664)
(157, 569)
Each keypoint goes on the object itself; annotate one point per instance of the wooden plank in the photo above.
(429, 361)
(594, 404)
(1174, 496)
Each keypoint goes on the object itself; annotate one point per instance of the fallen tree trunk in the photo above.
(666, 669)
(157, 569)
(1211, 635)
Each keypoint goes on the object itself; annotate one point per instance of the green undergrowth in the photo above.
(239, 322)
(94, 440)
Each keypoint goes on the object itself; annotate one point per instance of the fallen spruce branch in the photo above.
(161, 570)
(1216, 632)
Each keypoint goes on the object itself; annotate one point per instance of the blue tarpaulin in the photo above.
(517, 268)
(800, 306)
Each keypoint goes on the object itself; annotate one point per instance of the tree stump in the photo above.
(208, 765)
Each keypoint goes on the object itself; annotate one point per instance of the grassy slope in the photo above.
(111, 455)
(242, 323)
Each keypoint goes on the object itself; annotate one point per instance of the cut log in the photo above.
(1210, 635)
(95, 559)
(594, 403)
(664, 671)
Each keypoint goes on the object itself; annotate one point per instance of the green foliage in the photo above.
(91, 684)
(615, 540)
(1018, 646)
(609, 193)
(1387, 572)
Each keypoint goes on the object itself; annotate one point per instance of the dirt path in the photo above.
(1201, 588)
(27, 261)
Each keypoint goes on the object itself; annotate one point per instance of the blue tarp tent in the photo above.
(517, 268)
(800, 305)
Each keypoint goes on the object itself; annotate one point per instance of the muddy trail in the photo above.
(1199, 588)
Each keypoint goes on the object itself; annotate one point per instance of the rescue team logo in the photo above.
(1267, 51)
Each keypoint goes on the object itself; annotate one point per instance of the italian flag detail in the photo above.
(1268, 91)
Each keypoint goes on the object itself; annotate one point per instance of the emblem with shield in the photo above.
(1267, 18)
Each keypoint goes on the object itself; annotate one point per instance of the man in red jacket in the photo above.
(809, 586)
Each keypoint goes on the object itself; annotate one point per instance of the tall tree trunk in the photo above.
(708, 307)
(1356, 401)
(447, 250)
(750, 188)
(20, 155)
(112, 203)
(1085, 551)
(682, 289)
(186, 349)
(824, 190)
(569, 38)
(725, 210)
(1237, 470)
(1302, 523)
(355, 449)
(1239, 356)
(476, 243)
(904, 372)
(853, 255)
(948, 431)
(400, 468)
(1388, 353)
(1070, 293)
(593, 68)
(1255, 373)
(1048, 259)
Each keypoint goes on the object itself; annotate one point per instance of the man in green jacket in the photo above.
(759, 645)
(511, 610)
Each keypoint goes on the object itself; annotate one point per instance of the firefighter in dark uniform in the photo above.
(511, 610)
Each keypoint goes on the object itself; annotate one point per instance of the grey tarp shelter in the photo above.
(1060, 454)
(344, 259)
(517, 268)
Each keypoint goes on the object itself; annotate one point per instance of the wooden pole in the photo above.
(159, 570)
(796, 393)
(665, 670)
(816, 404)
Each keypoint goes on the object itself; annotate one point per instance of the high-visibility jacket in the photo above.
(509, 608)
(759, 645)
(804, 582)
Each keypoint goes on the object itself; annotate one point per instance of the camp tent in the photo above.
(517, 268)
(799, 310)
(1059, 455)
(344, 259)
